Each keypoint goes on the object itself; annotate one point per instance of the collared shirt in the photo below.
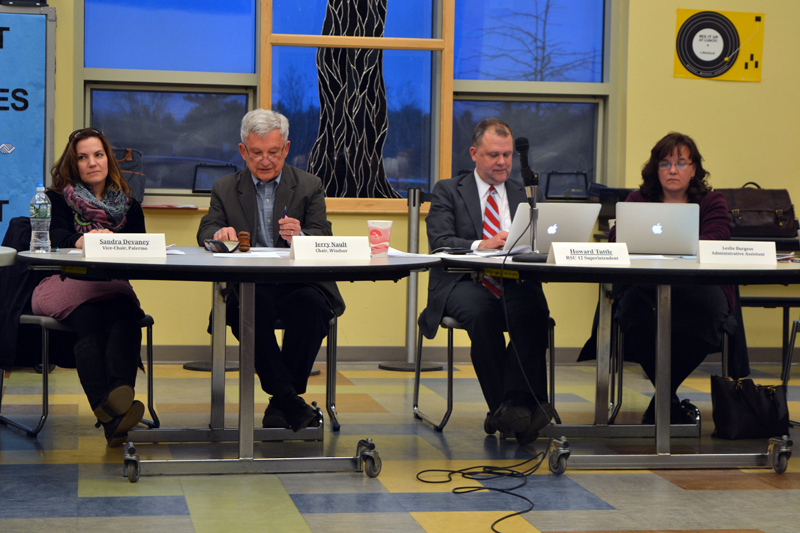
(502, 203)
(265, 195)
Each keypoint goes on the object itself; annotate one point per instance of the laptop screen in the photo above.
(206, 175)
(657, 228)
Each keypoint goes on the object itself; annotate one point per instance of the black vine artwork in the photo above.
(353, 122)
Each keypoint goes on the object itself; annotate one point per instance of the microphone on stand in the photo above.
(531, 181)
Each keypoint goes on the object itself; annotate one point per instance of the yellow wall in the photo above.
(745, 131)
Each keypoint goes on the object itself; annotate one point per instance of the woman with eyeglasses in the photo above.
(89, 195)
(701, 314)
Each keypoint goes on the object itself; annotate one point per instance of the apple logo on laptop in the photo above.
(657, 229)
(552, 229)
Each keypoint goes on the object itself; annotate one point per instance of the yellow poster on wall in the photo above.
(719, 45)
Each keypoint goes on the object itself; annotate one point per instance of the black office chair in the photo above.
(47, 324)
(450, 324)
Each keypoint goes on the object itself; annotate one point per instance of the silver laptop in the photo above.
(557, 222)
(657, 228)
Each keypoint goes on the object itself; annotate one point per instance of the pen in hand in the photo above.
(284, 211)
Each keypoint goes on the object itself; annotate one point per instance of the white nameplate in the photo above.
(588, 254)
(99, 245)
(737, 252)
(317, 248)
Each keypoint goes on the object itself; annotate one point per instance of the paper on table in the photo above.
(522, 249)
(397, 253)
(174, 251)
(251, 255)
(651, 257)
(281, 252)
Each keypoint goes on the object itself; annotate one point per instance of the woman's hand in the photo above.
(79, 242)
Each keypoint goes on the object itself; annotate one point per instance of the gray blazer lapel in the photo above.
(469, 193)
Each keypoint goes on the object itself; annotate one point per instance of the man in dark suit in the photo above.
(474, 211)
(274, 202)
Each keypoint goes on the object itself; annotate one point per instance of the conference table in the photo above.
(663, 272)
(197, 264)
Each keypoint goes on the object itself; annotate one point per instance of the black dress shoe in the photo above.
(542, 415)
(38, 368)
(683, 412)
(487, 424)
(298, 413)
(512, 416)
(116, 430)
(274, 417)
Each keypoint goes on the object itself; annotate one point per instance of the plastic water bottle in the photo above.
(41, 211)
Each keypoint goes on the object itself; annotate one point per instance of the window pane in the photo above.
(407, 75)
(529, 40)
(562, 136)
(175, 131)
(183, 35)
(406, 18)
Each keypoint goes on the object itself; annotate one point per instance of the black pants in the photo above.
(501, 374)
(700, 316)
(107, 353)
(306, 314)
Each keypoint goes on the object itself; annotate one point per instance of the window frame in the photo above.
(609, 93)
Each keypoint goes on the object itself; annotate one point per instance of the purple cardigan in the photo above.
(715, 225)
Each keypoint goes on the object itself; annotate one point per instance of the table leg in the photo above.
(603, 355)
(218, 357)
(663, 367)
(247, 296)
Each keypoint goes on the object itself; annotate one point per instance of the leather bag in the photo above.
(758, 212)
(743, 410)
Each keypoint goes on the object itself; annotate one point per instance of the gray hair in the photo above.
(263, 121)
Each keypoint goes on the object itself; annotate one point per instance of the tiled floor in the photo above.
(67, 480)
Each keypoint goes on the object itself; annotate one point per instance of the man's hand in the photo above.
(289, 228)
(226, 234)
(495, 243)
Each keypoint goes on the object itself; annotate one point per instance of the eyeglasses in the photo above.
(82, 131)
(666, 165)
(272, 158)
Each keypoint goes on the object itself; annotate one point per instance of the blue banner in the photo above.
(23, 68)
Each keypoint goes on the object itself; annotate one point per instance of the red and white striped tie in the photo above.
(491, 227)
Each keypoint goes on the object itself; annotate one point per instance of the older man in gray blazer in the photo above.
(474, 211)
(275, 202)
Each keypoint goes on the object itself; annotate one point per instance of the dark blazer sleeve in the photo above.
(62, 223)
(448, 221)
(225, 209)
(715, 221)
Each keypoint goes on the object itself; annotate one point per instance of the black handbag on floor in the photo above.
(743, 410)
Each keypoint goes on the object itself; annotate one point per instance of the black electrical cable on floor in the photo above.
(486, 473)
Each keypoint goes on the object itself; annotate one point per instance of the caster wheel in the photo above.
(132, 468)
(558, 464)
(779, 462)
(372, 466)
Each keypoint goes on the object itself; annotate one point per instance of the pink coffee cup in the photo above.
(379, 233)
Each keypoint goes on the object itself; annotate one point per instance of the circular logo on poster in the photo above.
(707, 44)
